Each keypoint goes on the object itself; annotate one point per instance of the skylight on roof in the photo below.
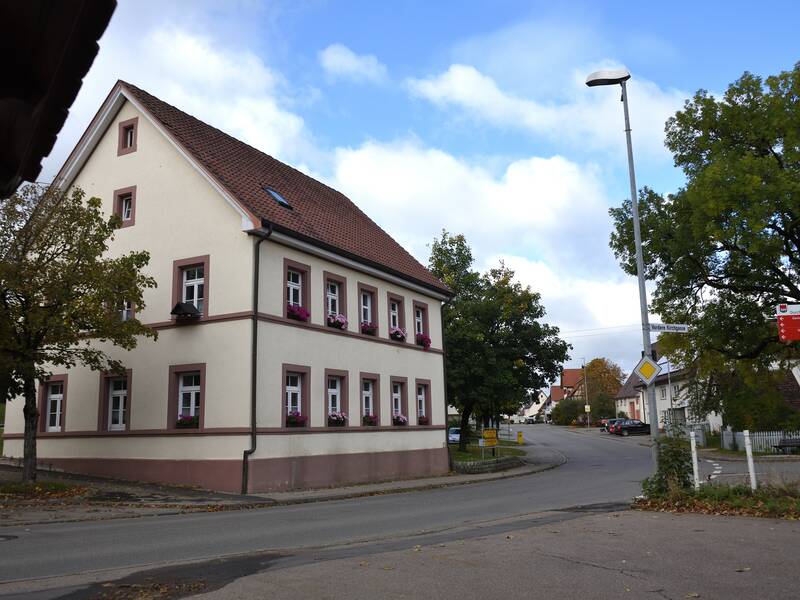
(278, 198)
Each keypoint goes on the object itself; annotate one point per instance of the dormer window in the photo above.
(128, 136)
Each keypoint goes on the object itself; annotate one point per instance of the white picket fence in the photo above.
(762, 441)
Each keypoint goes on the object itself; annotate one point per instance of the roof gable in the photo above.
(319, 214)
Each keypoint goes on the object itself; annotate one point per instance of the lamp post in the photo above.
(615, 77)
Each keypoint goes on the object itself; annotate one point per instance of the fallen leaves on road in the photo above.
(150, 591)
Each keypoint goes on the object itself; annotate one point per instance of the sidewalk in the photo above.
(713, 454)
(111, 499)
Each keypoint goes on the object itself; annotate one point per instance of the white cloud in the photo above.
(339, 62)
(589, 117)
(233, 90)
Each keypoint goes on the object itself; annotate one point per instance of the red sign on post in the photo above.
(789, 328)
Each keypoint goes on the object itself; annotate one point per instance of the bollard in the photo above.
(520, 441)
(695, 469)
(748, 447)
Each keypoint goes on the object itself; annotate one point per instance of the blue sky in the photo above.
(469, 116)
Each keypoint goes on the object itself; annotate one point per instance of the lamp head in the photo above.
(607, 77)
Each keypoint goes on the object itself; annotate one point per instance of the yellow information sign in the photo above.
(489, 438)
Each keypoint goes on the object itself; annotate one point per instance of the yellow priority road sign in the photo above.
(647, 370)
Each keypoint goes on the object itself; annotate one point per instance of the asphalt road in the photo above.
(600, 470)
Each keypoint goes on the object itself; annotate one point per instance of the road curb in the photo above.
(756, 458)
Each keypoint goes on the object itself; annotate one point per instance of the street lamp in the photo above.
(614, 77)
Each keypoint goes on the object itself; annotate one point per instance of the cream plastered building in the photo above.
(241, 392)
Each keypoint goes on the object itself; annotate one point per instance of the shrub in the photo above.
(674, 472)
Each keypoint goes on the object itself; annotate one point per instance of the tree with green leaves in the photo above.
(605, 377)
(60, 295)
(725, 249)
(496, 348)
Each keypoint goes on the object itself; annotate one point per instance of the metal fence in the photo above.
(762, 441)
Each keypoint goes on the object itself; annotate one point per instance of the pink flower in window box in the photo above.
(369, 420)
(337, 321)
(297, 312)
(400, 420)
(423, 420)
(369, 328)
(295, 419)
(337, 419)
(187, 422)
(397, 333)
(423, 340)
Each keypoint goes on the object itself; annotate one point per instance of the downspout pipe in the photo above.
(262, 235)
(444, 377)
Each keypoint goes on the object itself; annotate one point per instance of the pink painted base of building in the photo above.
(266, 475)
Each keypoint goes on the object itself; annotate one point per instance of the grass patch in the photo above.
(40, 490)
(779, 502)
(474, 452)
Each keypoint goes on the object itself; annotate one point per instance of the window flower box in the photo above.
(337, 419)
(337, 321)
(398, 334)
(368, 328)
(187, 422)
(295, 419)
(369, 420)
(297, 312)
(399, 420)
(423, 340)
(423, 421)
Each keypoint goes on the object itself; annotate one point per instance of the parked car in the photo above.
(632, 427)
(454, 435)
(531, 421)
(610, 424)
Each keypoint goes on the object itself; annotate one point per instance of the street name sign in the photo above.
(669, 327)
(587, 408)
(647, 369)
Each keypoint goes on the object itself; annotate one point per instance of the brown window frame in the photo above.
(375, 378)
(175, 371)
(363, 287)
(305, 393)
(118, 197)
(102, 412)
(122, 149)
(427, 384)
(305, 292)
(403, 398)
(178, 267)
(63, 379)
(401, 314)
(342, 281)
(344, 394)
(425, 323)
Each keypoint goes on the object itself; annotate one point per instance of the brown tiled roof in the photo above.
(320, 215)
(571, 377)
(556, 393)
(630, 389)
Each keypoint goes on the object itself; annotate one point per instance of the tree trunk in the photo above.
(462, 440)
(31, 413)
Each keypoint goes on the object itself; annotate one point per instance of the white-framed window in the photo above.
(420, 400)
(334, 394)
(189, 394)
(394, 313)
(126, 311)
(419, 321)
(397, 399)
(117, 403)
(366, 307)
(332, 297)
(293, 403)
(674, 390)
(294, 287)
(663, 392)
(128, 134)
(194, 286)
(366, 397)
(126, 207)
(55, 402)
